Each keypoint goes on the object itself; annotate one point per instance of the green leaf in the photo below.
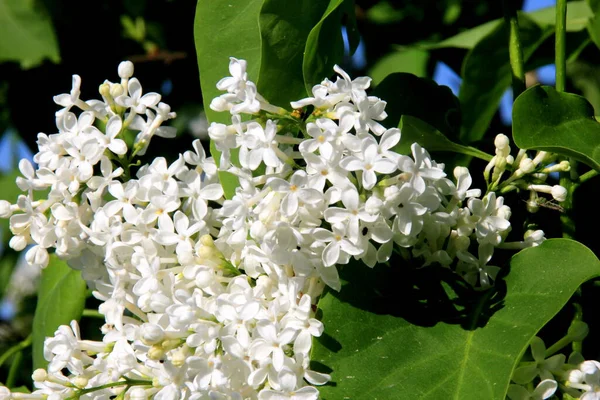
(486, 75)
(578, 14)
(61, 299)
(224, 29)
(325, 45)
(10, 192)
(564, 123)
(413, 61)
(284, 28)
(415, 130)
(407, 94)
(26, 33)
(400, 333)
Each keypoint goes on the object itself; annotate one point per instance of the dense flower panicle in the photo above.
(207, 296)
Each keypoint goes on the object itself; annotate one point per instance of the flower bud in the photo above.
(501, 141)
(526, 165)
(206, 240)
(125, 70)
(80, 381)
(5, 211)
(38, 256)
(578, 331)
(156, 352)
(137, 393)
(151, 334)
(17, 243)
(559, 193)
(39, 375)
(116, 90)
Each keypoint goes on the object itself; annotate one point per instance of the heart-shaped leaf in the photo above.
(544, 119)
(399, 333)
(61, 299)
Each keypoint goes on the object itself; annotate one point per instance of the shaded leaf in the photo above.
(564, 123)
(26, 33)
(61, 299)
(284, 28)
(407, 94)
(415, 130)
(486, 75)
(325, 45)
(578, 14)
(396, 332)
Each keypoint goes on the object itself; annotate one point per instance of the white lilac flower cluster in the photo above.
(207, 297)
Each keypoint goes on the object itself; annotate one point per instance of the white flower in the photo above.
(420, 169)
(371, 161)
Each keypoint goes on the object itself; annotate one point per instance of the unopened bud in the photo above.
(137, 394)
(116, 90)
(578, 331)
(39, 375)
(81, 381)
(501, 141)
(151, 334)
(18, 242)
(156, 352)
(5, 211)
(104, 89)
(206, 240)
(125, 70)
(559, 193)
(526, 165)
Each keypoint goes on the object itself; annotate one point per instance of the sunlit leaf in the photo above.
(26, 33)
(544, 119)
(61, 299)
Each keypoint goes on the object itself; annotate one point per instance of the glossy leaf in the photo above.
(407, 94)
(486, 75)
(61, 299)
(578, 14)
(325, 45)
(284, 28)
(26, 33)
(397, 332)
(544, 119)
(224, 29)
(413, 61)
(415, 130)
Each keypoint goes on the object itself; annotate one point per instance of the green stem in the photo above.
(561, 45)
(127, 382)
(515, 50)
(565, 341)
(15, 349)
(470, 151)
(566, 220)
(578, 345)
(587, 176)
(14, 370)
(92, 314)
